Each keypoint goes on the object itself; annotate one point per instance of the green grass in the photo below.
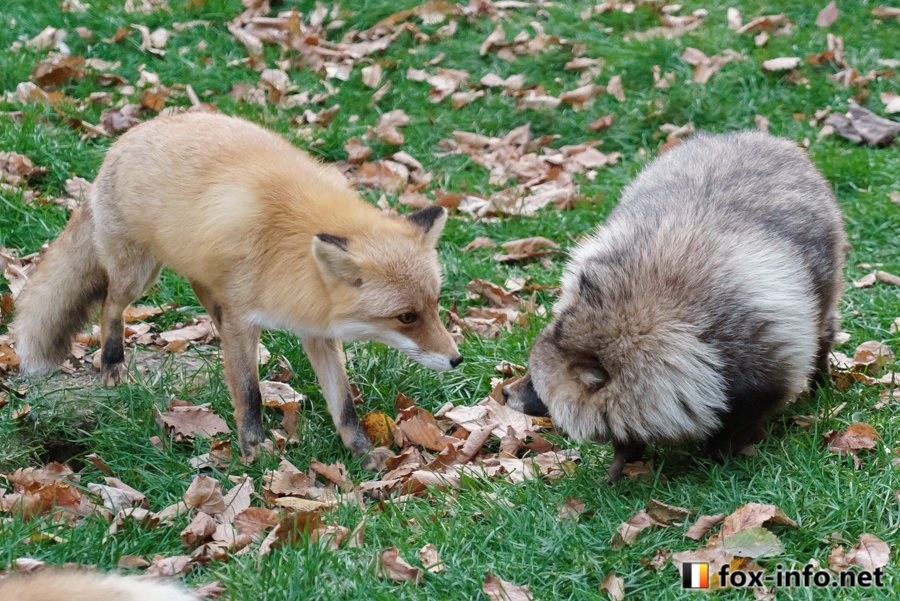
(509, 530)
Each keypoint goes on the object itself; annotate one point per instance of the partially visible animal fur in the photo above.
(72, 585)
(268, 238)
(707, 299)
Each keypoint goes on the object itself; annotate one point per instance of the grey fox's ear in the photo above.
(593, 375)
(432, 220)
(335, 260)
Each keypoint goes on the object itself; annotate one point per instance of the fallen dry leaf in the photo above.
(140, 313)
(132, 562)
(205, 494)
(201, 528)
(753, 543)
(256, 520)
(420, 429)
(782, 63)
(357, 151)
(286, 480)
(862, 126)
(856, 437)
(870, 553)
(479, 242)
(828, 15)
(498, 589)
(752, 515)
(572, 509)
(371, 75)
(891, 102)
(15, 168)
(668, 515)
(58, 70)
(658, 561)
(431, 559)
(210, 590)
(387, 128)
(873, 356)
(392, 566)
(704, 524)
(601, 123)
(336, 473)
(877, 276)
(613, 586)
(628, 530)
(706, 66)
(526, 248)
(280, 395)
(169, 567)
(295, 526)
(186, 421)
(886, 11)
(389, 176)
(766, 23)
(614, 87)
(201, 331)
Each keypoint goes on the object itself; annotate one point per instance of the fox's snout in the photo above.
(431, 345)
(441, 359)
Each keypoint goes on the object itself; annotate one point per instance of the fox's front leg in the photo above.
(327, 360)
(240, 345)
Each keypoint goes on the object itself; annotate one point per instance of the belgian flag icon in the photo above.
(695, 575)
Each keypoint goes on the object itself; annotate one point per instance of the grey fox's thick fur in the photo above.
(707, 299)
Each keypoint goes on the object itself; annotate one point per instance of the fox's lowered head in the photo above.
(388, 286)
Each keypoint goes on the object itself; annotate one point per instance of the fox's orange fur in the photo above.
(71, 585)
(268, 238)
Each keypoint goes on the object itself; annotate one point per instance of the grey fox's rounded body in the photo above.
(707, 299)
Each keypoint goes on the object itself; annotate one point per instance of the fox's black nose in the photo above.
(505, 392)
(456, 360)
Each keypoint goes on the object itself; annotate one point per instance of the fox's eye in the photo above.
(407, 318)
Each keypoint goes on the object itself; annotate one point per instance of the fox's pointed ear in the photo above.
(432, 220)
(335, 260)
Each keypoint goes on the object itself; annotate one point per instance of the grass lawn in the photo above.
(484, 527)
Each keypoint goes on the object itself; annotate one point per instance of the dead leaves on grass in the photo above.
(862, 126)
(856, 437)
(870, 553)
(498, 589)
(543, 175)
(871, 364)
(184, 421)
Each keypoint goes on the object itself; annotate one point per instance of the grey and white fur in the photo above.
(707, 300)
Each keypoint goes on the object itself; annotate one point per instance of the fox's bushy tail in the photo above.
(51, 584)
(58, 297)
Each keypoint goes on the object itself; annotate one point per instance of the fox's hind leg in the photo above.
(127, 281)
(240, 348)
(327, 359)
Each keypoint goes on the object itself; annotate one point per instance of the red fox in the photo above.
(267, 237)
(72, 585)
